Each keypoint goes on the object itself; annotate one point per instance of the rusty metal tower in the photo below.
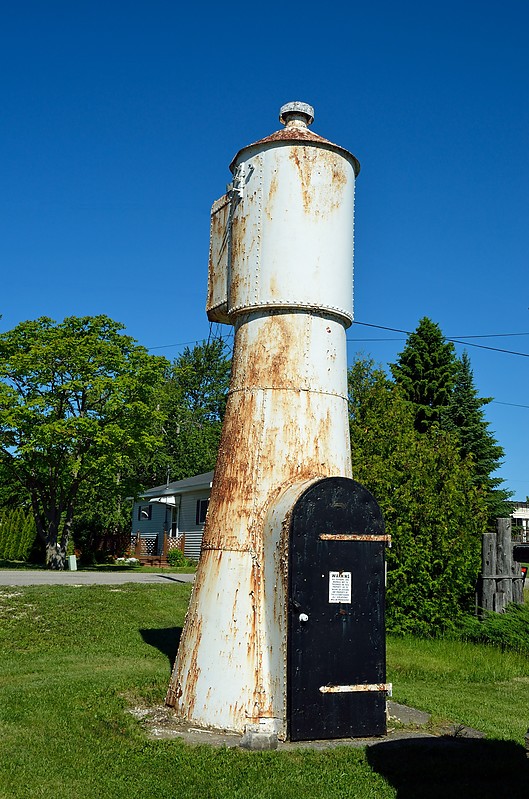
(280, 272)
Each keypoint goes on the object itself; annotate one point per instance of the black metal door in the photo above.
(336, 648)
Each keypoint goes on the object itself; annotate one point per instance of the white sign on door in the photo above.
(340, 584)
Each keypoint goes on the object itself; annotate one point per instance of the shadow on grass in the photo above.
(165, 640)
(107, 567)
(438, 768)
(18, 564)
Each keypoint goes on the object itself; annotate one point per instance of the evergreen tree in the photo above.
(465, 416)
(3, 531)
(7, 532)
(425, 372)
(17, 533)
(29, 534)
(10, 535)
(14, 535)
(431, 506)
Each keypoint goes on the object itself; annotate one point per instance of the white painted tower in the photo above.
(280, 272)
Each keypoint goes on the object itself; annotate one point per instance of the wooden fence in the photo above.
(501, 580)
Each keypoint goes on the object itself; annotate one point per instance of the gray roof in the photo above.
(199, 481)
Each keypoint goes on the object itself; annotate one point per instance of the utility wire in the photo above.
(448, 338)
(211, 335)
(495, 335)
(511, 404)
(229, 334)
(458, 340)
(169, 346)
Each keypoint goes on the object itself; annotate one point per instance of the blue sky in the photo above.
(119, 120)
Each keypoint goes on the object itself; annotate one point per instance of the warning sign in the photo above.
(340, 587)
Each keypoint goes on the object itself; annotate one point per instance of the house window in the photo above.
(144, 513)
(202, 507)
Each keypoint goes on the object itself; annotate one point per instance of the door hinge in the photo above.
(386, 539)
(384, 687)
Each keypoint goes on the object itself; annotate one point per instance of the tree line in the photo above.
(421, 444)
(88, 418)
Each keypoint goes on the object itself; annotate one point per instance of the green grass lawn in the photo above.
(466, 683)
(73, 659)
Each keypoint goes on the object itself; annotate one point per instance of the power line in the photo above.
(458, 340)
(207, 339)
(487, 335)
(448, 338)
(169, 346)
(229, 334)
(512, 404)
(495, 335)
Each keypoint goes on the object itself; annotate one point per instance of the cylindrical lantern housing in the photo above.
(283, 236)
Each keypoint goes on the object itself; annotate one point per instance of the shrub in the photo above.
(508, 630)
(432, 509)
(175, 557)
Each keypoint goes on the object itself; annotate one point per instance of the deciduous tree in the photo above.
(76, 406)
(194, 400)
(189, 409)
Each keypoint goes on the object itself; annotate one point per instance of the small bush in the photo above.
(175, 557)
(508, 630)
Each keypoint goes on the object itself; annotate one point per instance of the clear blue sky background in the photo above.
(119, 120)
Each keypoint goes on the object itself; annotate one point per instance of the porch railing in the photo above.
(148, 546)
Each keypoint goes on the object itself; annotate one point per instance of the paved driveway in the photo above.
(38, 577)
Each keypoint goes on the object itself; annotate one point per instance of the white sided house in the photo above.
(172, 515)
(520, 517)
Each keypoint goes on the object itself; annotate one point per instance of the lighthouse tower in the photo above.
(280, 272)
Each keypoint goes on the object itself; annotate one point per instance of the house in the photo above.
(520, 521)
(172, 515)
